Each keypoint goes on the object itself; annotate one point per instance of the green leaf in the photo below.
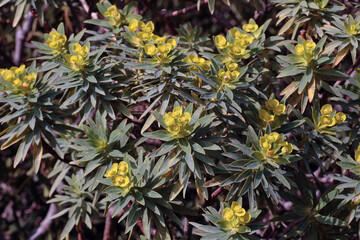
(330, 220)
(160, 134)
(211, 4)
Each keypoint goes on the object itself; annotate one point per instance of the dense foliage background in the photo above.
(211, 119)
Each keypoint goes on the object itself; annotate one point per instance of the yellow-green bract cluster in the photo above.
(177, 122)
(235, 217)
(120, 175)
(18, 77)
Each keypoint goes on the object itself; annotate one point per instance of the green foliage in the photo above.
(247, 119)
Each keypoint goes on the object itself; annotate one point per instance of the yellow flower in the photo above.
(205, 65)
(185, 118)
(234, 74)
(287, 148)
(145, 36)
(112, 172)
(150, 49)
(357, 154)
(148, 27)
(309, 45)
(231, 66)
(280, 109)
(158, 40)
(113, 15)
(168, 119)
(220, 41)
(56, 41)
(340, 117)
(237, 209)
(228, 214)
(177, 112)
(19, 70)
(265, 115)
(299, 49)
(17, 82)
(30, 77)
(174, 128)
(236, 50)
(123, 168)
(326, 109)
(272, 104)
(354, 29)
(82, 51)
(111, 11)
(75, 62)
(245, 219)
(172, 43)
(8, 75)
(235, 33)
(164, 49)
(133, 25)
(326, 121)
(25, 85)
(264, 143)
(121, 181)
(273, 137)
(250, 27)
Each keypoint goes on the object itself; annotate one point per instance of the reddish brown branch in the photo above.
(216, 192)
(185, 10)
(80, 231)
(108, 227)
(354, 66)
(141, 226)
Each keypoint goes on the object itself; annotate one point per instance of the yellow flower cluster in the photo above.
(119, 175)
(153, 44)
(329, 117)
(241, 42)
(114, 16)
(271, 111)
(250, 27)
(232, 72)
(235, 217)
(177, 122)
(145, 29)
(305, 49)
(354, 29)
(162, 49)
(197, 62)
(357, 154)
(56, 41)
(17, 77)
(272, 143)
(77, 61)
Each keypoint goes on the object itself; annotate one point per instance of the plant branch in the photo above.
(80, 231)
(45, 224)
(20, 37)
(185, 10)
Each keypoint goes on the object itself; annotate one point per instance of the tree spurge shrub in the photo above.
(249, 134)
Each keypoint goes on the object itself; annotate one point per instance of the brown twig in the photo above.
(20, 37)
(141, 226)
(108, 227)
(354, 66)
(216, 192)
(185, 10)
(46, 223)
(80, 231)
